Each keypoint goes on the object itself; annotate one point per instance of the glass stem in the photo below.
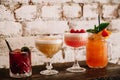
(75, 65)
(49, 64)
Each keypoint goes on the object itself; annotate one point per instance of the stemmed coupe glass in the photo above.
(49, 45)
(76, 40)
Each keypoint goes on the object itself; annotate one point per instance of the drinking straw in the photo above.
(8, 45)
(99, 19)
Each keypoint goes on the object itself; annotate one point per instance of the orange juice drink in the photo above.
(96, 51)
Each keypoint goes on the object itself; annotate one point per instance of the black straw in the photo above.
(8, 45)
(99, 19)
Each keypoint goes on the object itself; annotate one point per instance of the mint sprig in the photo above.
(99, 28)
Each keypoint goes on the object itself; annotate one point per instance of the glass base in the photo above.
(48, 72)
(74, 69)
(20, 75)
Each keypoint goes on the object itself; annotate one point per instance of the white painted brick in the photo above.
(4, 61)
(83, 1)
(72, 11)
(110, 11)
(115, 54)
(83, 24)
(40, 27)
(90, 11)
(119, 12)
(51, 12)
(3, 47)
(6, 14)
(116, 1)
(26, 13)
(115, 25)
(102, 1)
(50, 1)
(9, 28)
(18, 42)
(13, 1)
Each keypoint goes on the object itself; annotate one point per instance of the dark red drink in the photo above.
(20, 63)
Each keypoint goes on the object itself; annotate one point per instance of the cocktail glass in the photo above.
(20, 64)
(76, 40)
(97, 50)
(49, 45)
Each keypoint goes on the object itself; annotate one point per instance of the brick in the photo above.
(50, 1)
(18, 42)
(90, 11)
(72, 11)
(119, 13)
(5, 14)
(4, 61)
(10, 29)
(116, 1)
(110, 11)
(51, 12)
(102, 1)
(9, 2)
(115, 25)
(114, 40)
(83, 1)
(41, 27)
(83, 24)
(26, 13)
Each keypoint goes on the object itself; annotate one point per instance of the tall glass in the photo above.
(76, 40)
(49, 45)
(97, 51)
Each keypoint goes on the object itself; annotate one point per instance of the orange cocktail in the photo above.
(96, 51)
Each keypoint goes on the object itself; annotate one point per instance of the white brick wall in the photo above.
(10, 28)
(50, 1)
(26, 13)
(110, 11)
(21, 20)
(6, 14)
(72, 11)
(83, 1)
(51, 12)
(90, 11)
(46, 27)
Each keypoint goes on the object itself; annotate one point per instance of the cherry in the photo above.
(104, 33)
(72, 31)
(82, 31)
(77, 31)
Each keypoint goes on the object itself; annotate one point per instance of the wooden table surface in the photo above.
(111, 71)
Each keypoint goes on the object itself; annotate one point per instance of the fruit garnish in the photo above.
(77, 31)
(99, 28)
(72, 31)
(25, 49)
(104, 33)
(82, 31)
(100, 31)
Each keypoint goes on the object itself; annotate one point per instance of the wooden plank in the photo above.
(112, 70)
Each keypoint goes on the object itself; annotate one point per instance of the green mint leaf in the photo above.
(90, 30)
(103, 26)
(99, 28)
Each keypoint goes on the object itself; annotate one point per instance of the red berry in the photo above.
(72, 31)
(82, 31)
(77, 31)
(104, 33)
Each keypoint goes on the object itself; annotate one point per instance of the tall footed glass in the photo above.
(49, 45)
(76, 40)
